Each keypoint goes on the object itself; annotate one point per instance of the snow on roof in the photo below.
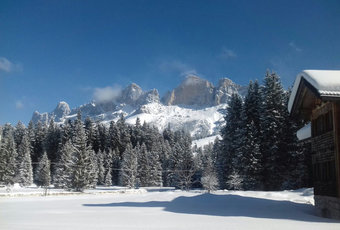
(326, 82)
(305, 132)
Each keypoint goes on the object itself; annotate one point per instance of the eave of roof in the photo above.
(325, 82)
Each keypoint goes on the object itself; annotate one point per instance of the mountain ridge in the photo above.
(196, 105)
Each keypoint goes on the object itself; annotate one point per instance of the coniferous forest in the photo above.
(258, 151)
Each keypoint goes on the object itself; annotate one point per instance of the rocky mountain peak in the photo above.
(131, 94)
(193, 80)
(197, 91)
(62, 109)
(151, 96)
(192, 91)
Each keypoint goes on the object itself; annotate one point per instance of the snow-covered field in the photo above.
(165, 209)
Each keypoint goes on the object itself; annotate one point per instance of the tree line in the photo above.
(259, 149)
(78, 155)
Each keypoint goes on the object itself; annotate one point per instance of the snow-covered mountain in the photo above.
(196, 106)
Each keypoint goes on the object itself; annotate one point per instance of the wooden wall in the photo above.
(324, 150)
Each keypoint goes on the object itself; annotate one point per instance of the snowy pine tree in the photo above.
(43, 173)
(8, 156)
(143, 165)
(108, 178)
(24, 164)
(209, 178)
(64, 170)
(100, 167)
(129, 167)
(155, 169)
(185, 167)
(272, 122)
(84, 162)
(230, 154)
(250, 166)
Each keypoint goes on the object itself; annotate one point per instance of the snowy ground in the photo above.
(17, 191)
(200, 143)
(165, 209)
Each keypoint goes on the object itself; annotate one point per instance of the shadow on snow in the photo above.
(230, 205)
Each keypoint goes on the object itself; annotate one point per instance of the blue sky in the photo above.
(65, 50)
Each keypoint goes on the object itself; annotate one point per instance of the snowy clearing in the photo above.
(200, 143)
(169, 209)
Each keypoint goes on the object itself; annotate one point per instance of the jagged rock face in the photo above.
(192, 91)
(134, 95)
(224, 90)
(151, 96)
(93, 109)
(62, 110)
(131, 94)
(197, 91)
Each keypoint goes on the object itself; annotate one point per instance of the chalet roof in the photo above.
(323, 83)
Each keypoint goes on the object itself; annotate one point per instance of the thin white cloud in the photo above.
(8, 66)
(227, 53)
(5, 65)
(19, 104)
(294, 46)
(107, 94)
(177, 67)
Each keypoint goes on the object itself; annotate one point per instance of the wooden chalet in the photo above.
(316, 98)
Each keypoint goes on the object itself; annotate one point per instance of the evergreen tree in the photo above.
(199, 159)
(137, 133)
(24, 163)
(292, 166)
(185, 165)
(65, 167)
(272, 122)
(168, 135)
(19, 132)
(38, 143)
(66, 132)
(31, 135)
(52, 142)
(42, 174)
(230, 155)
(165, 161)
(155, 169)
(108, 178)
(108, 160)
(125, 137)
(209, 178)
(93, 177)
(85, 171)
(101, 169)
(116, 165)
(8, 156)
(114, 137)
(250, 165)
(90, 133)
(173, 167)
(149, 167)
(129, 168)
(143, 165)
(101, 139)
